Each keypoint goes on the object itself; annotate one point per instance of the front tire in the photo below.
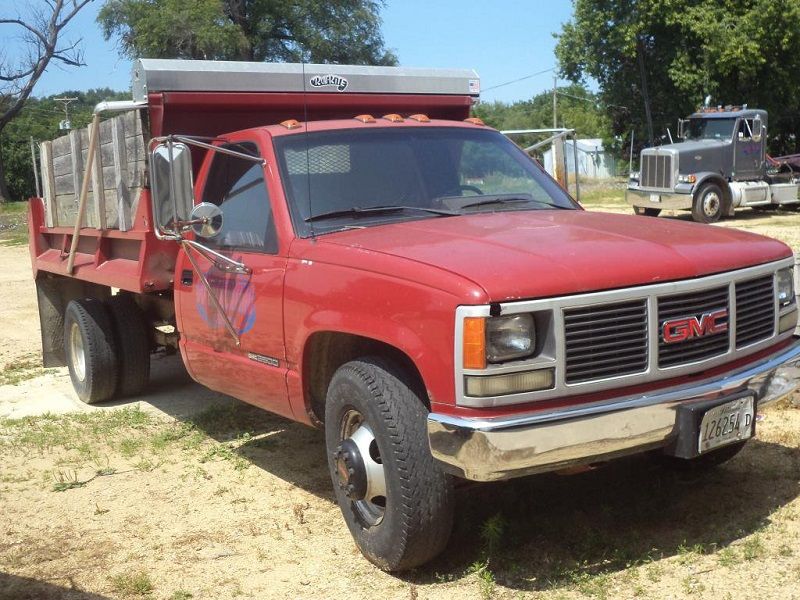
(707, 206)
(395, 498)
(90, 350)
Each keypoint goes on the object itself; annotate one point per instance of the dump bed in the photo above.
(117, 245)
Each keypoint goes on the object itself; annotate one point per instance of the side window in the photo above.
(745, 129)
(237, 186)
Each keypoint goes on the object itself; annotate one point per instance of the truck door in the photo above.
(748, 154)
(255, 370)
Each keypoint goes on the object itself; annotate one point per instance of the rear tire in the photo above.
(646, 212)
(90, 350)
(395, 498)
(707, 206)
(133, 345)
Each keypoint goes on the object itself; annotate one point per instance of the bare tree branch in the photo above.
(40, 30)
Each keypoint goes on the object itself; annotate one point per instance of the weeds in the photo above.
(21, 370)
(132, 585)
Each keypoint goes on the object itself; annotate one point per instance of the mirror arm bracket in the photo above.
(211, 293)
(222, 262)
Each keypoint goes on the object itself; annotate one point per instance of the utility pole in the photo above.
(559, 170)
(643, 75)
(65, 124)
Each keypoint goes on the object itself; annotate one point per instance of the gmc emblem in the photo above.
(679, 330)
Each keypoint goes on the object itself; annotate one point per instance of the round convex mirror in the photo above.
(211, 217)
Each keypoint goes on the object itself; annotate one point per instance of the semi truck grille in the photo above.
(656, 171)
(605, 341)
(692, 305)
(755, 310)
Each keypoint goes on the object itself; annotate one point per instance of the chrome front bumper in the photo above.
(666, 200)
(505, 447)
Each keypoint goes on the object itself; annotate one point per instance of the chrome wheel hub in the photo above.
(711, 204)
(359, 469)
(77, 355)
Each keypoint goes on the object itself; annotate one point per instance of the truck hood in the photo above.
(535, 254)
(701, 155)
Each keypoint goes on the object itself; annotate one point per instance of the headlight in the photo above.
(687, 178)
(785, 288)
(510, 337)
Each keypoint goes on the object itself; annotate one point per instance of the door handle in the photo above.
(187, 277)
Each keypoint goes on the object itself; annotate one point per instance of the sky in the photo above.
(503, 40)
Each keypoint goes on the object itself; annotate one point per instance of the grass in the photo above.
(13, 225)
(21, 370)
(133, 585)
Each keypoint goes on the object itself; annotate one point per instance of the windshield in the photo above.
(710, 129)
(360, 178)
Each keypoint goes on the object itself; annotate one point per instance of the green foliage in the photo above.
(340, 31)
(738, 52)
(577, 109)
(39, 119)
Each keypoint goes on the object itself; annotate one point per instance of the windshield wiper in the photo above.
(355, 211)
(487, 200)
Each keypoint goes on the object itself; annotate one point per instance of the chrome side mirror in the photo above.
(758, 129)
(206, 220)
(681, 126)
(171, 185)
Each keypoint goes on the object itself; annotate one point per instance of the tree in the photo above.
(669, 54)
(40, 31)
(340, 31)
(578, 109)
(39, 119)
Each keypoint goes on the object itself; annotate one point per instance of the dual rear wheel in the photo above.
(107, 348)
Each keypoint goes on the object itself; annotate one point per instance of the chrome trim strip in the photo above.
(652, 373)
(488, 449)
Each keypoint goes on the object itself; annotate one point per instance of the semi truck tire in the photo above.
(90, 350)
(395, 498)
(133, 345)
(646, 212)
(707, 206)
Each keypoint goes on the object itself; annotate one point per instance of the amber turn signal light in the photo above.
(474, 121)
(393, 118)
(474, 343)
(420, 118)
(291, 123)
(365, 118)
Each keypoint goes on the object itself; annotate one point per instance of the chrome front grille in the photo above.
(755, 310)
(613, 339)
(692, 306)
(605, 341)
(656, 171)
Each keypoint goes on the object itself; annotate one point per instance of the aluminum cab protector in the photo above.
(345, 247)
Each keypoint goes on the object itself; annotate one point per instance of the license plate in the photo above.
(655, 198)
(726, 423)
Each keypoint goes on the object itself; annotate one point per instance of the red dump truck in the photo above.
(346, 247)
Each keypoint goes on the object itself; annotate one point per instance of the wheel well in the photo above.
(723, 185)
(327, 351)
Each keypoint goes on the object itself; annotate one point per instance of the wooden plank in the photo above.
(46, 153)
(121, 174)
(98, 195)
(77, 163)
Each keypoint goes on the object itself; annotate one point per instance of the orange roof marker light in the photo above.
(420, 118)
(291, 123)
(365, 118)
(393, 118)
(474, 121)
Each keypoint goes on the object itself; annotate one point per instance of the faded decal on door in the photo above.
(236, 296)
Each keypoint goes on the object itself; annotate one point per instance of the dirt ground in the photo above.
(185, 493)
